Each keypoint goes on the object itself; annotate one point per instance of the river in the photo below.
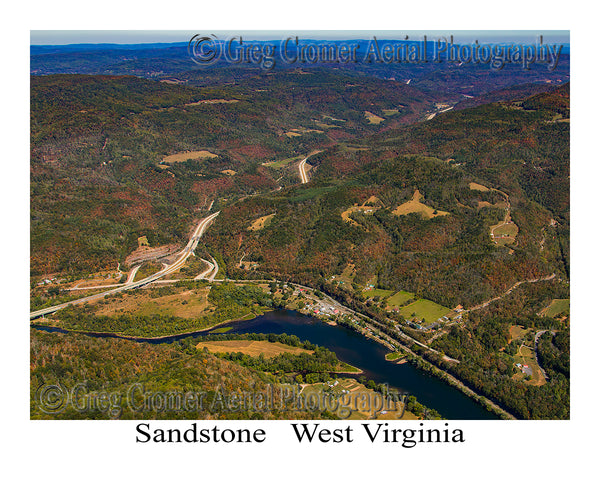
(355, 349)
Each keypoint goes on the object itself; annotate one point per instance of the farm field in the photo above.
(184, 156)
(399, 298)
(252, 347)
(556, 307)
(424, 310)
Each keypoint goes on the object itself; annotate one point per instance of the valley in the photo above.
(161, 210)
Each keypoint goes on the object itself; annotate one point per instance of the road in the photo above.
(302, 166)
(183, 256)
(533, 280)
(205, 272)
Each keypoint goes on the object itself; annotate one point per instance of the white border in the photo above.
(494, 449)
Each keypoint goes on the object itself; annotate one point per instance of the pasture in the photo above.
(424, 310)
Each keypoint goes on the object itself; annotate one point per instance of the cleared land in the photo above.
(347, 275)
(373, 119)
(261, 222)
(377, 292)
(187, 304)
(368, 208)
(252, 347)
(481, 204)
(212, 101)
(415, 206)
(389, 112)
(517, 332)
(478, 187)
(399, 298)
(557, 306)
(424, 310)
(504, 233)
(282, 163)
(185, 156)
(298, 132)
(526, 356)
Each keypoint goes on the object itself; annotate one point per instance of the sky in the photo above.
(66, 37)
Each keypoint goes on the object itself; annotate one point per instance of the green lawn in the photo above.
(424, 309)
(399, 298)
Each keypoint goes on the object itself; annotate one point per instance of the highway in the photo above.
(302, 166)
(302, 169)
(183, 256)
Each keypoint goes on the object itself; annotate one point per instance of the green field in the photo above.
(399, 298)
(377, 292)
(556, 307)
(424, 309)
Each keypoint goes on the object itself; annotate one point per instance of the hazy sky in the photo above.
(65, 37)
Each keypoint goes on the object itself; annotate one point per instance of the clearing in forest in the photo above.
(373, 119)
(367, 208)
(415, 206)
(517, 332)
(529, 367)
(185, 156)
(557, 306)
(211, 102)
(478, 187)
(261, 222)
(504, 233)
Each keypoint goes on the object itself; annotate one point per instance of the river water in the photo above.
(366, 354)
